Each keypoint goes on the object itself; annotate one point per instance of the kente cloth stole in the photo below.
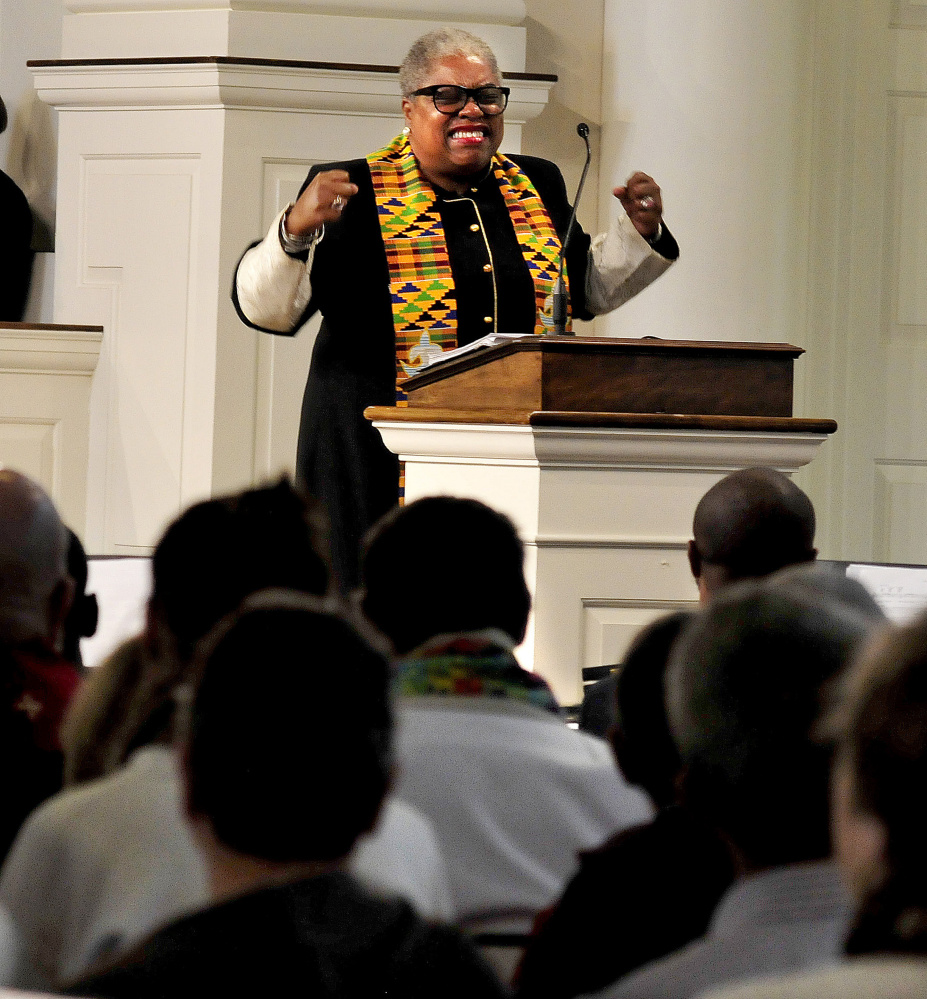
(461, 669)
(421, 282)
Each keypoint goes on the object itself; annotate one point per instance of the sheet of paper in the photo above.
(900, 590)
(122, 586)
(490, 340)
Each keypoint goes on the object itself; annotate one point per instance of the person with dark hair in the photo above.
(427, 244)
(84, 612)
(745, 684)
(483, 749)
(101, 864)
(647, 890)
(879, 726)
(750, 524)
(16, 247)
(482, 587)
(276, 805)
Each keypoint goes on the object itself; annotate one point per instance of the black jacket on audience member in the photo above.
(643, 894)
(322, 937)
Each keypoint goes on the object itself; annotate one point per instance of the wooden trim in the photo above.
(51, 326)
(410, 414)
(347, 67)
(628, 421)
(672, 421)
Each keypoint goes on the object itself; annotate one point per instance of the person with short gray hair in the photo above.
(428, 244)
(436, 46)
(745, 685)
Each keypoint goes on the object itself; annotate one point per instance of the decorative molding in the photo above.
(901, 510)
(249, 84)
(906, 242)
(32, 446)
(605, 447)
(487, 11)
(153, 383)
(609, 625)
(50, 350)
(638, 603)
(618, 541)
(268, 34)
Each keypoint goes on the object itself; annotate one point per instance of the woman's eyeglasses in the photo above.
(449, 99)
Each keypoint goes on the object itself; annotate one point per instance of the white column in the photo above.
(708, 97)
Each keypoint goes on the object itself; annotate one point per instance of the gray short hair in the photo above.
(438, 45)
(744, 688)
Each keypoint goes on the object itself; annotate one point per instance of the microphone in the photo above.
(559, 298)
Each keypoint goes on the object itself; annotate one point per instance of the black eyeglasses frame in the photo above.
(467, 94)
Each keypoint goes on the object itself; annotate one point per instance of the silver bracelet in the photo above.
(655, 238)
(294, 245)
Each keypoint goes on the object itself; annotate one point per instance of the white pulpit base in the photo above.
(605, 514)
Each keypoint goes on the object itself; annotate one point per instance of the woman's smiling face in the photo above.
(452, 148)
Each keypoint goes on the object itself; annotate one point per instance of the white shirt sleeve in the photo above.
(621, 263)
(273, 287)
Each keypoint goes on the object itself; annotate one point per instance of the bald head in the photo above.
(34, 583)
(750, 524)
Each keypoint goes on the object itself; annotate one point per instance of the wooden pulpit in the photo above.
(599, 449)
(605, 375)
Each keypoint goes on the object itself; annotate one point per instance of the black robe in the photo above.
(341, 458)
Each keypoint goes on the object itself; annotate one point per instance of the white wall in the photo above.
(707, 96)
(564, 37)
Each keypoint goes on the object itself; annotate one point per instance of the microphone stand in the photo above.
(559, 298)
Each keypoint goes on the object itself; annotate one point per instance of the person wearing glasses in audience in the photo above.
(425, 245)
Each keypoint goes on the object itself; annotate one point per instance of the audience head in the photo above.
(3, 116)
(35, 589)
(299, 773)
(641, 738)
(218, 551)
(83, 616)
(210, 558)
(745, 685)
(880, 782)
(442, 565)
(751, 523)
(818, 580)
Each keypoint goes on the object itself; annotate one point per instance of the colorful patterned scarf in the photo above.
(421, 281)
(469, 665)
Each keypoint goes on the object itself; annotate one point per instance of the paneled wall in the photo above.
(867, 274)
(900, 464)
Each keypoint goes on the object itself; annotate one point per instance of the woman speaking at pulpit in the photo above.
(423, 246)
